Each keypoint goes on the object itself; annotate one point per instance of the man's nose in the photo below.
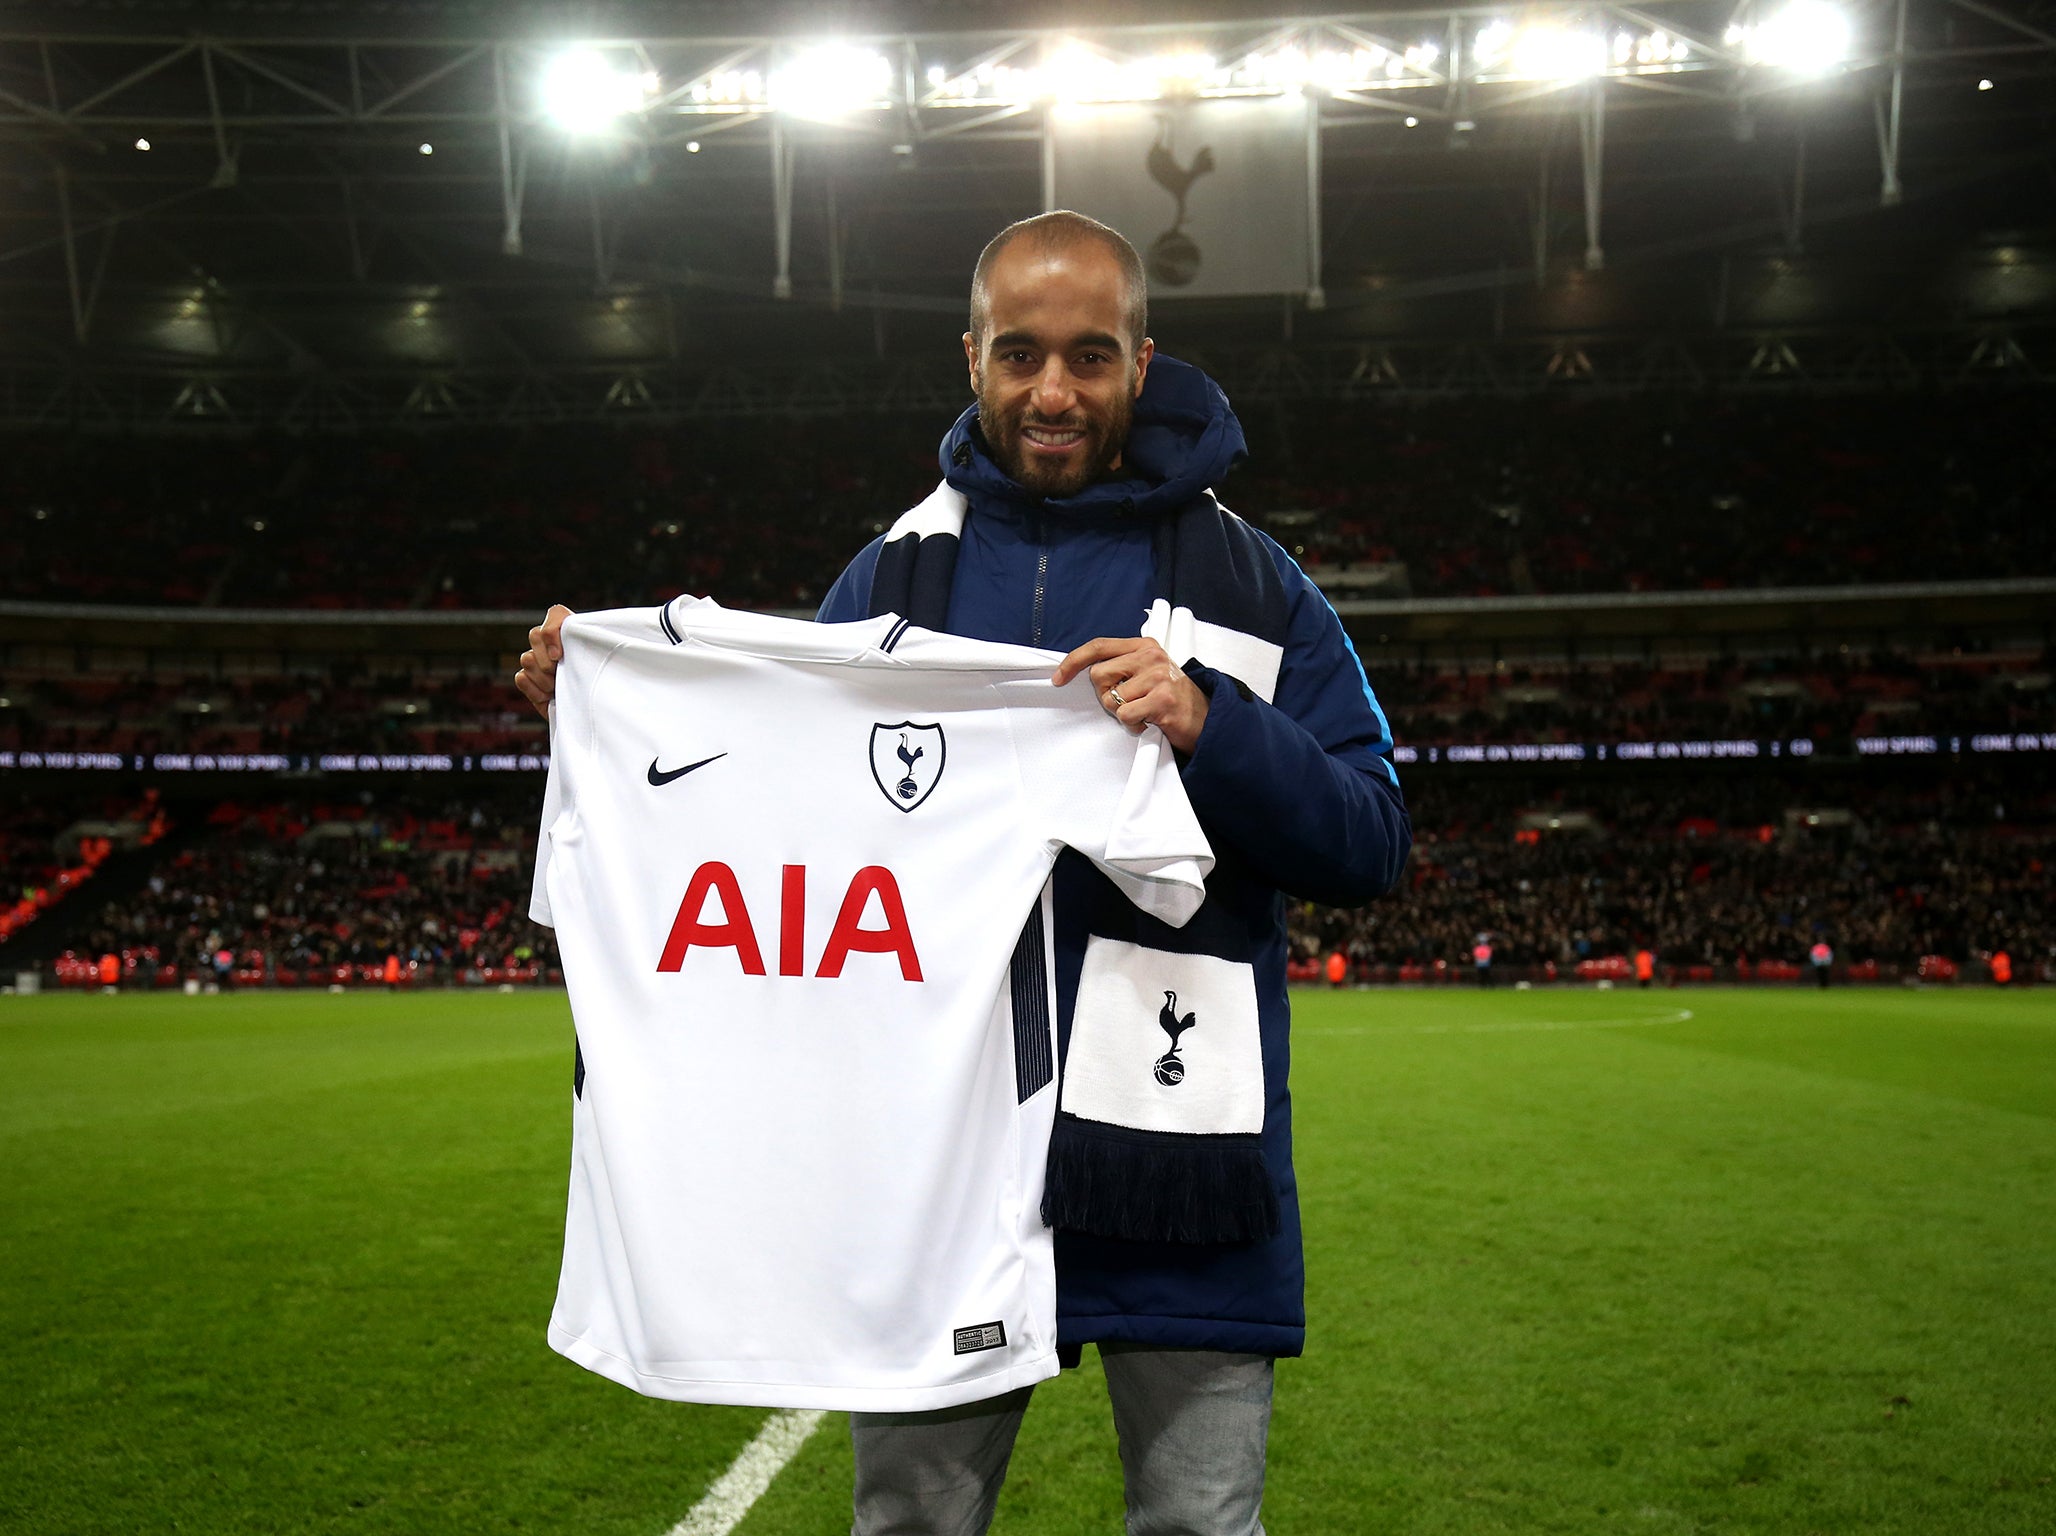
(1055, 391)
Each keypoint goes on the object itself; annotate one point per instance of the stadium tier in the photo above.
(1463, 498)
(1732, 878)
(307, 708)
(313, 769)
(312, 891)
(1926, 873)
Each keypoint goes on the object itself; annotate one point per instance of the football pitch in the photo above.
(1699, 1261)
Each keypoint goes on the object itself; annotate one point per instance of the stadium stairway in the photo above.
(122, 875)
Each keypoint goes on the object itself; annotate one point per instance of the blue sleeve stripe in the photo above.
(1385, 742)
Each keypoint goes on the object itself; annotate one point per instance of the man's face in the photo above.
(1055, 374)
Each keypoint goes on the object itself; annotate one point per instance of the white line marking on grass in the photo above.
(1678, 1016)
(723, 1506)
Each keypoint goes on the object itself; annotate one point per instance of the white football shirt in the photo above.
(789, 866)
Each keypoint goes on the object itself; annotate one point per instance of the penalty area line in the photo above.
(721, 1508)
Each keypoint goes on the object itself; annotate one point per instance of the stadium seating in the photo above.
(52, 844)
(312, 891)
(1909, 872)
(1724, 877)
(1451, 499)
(326, 706)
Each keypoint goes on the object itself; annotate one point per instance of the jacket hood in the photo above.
(1184, 439)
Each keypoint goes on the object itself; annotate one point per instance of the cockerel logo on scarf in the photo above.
(906, 760)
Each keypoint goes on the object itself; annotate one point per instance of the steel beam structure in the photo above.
(421, 170)
(1433, 62)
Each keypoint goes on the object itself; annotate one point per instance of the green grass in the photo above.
(1577, 1264)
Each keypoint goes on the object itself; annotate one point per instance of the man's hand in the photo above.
(537, 678)
(1138, 684)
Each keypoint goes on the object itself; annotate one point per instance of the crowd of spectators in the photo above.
(1717, 874)
(1827, 698)
(343, 707)
(1712, 872)
(1483, 497)
(1463, 498)
(313, 891)
(761, 516)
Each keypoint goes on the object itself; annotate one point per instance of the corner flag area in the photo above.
(1662, 1262)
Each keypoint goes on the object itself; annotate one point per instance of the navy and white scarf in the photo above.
(1161, 1106)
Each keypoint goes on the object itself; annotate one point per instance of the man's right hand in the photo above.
(537, 678)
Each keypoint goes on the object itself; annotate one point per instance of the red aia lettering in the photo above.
(735, 931)
(687, 929)
(895, 938)
(792, 920)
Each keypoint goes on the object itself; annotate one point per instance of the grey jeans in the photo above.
(1192, 1425)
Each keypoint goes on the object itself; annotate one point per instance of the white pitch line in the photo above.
(723, 1506)
(1512, 1026)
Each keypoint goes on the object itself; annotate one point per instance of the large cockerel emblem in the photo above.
(1170, 1067)
(1174, 258)
(906, 760)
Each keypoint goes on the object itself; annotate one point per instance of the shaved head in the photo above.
(1048, 234)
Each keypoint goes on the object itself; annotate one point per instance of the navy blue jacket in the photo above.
(1300, 793)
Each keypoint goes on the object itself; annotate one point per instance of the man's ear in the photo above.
(1142, 356)
(971, 359)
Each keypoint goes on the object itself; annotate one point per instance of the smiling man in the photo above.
(1077, 513)
(1056, 429)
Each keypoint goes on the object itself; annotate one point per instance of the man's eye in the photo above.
(1092, 359)
(1017, 357)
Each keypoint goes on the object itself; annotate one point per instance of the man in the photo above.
(1077, 510)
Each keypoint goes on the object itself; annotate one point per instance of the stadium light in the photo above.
(741, 89)
(144, 144)
(584, 91)
(1806, 36)
(1540, 51)
(1076, 72)
(831, 81)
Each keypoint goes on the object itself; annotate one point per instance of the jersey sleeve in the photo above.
(588, 638)
(1116, 798)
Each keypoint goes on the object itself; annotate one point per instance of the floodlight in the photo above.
(144, 144)
(1557, 53)
(585, 91)
(427, 149)
(831, 81)
(692, 146)
(1074, 72)
(729, 88)
(1809, 36)
(1983, 85)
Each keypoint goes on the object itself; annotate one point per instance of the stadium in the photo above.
(1657, 399)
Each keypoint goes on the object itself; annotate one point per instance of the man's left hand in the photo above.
(1138, 684)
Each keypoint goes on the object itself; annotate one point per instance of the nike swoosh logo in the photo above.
(661, 779)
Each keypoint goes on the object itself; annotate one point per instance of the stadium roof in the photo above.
(366, 210)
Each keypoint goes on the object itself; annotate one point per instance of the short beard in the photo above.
(1105, 437)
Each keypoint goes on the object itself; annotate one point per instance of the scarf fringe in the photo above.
(1157, 1186)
